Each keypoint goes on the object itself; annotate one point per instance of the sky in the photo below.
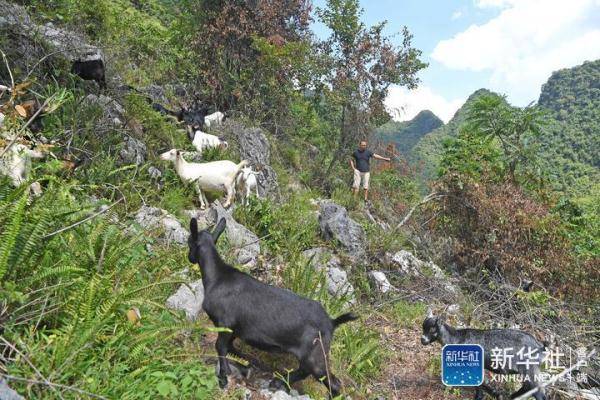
(508, 46)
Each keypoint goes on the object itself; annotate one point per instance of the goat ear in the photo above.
(219, 229)
(194, 228)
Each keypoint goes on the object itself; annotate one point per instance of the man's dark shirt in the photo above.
(362, 159)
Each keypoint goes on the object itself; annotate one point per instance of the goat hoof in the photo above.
(222, 381)
(277, 384)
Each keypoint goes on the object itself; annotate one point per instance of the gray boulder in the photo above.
(153, 218)
(409, 265)
(113, 113)
(6, 393)
(60, 43)
(205, 218)
(245, 243)
(380, 281)
(337, 225)
(281, 395)
(188, 298)
(254, 147)
(133, 151)
(336, 278)
(154, 173)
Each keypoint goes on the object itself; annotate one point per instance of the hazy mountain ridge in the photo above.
(406, 134)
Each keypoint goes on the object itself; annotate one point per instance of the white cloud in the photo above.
(493, 3)
(456, 15)
(525, 43)
(404, 104)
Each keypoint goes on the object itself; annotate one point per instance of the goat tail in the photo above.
(342, 319)
(238, 168)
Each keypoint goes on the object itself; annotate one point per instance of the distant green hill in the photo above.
(571, 143)
(570, 148)
(427, 152)
(406, 134)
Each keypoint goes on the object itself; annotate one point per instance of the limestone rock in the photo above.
(153, 218)
(188, 298)
(337, 225)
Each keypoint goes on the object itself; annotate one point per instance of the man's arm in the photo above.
(352, 163)
(378, 157)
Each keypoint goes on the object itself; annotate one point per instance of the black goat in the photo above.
(90, 70)
(264, 316)
(434, 329)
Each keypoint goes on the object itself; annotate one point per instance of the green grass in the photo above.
(408, 315)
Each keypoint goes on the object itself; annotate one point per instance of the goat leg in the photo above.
(200, 196)
(222, 346)
(229, 197)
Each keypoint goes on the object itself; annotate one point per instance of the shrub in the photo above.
(501, 228)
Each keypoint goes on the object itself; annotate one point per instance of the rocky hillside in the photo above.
(98, 298)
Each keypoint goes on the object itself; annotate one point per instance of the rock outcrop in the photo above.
(336, 278)
(380, 281)
(253, 146)
(133, 151)
(171, 230)
(337, 225)
(113, 113)
(188, 298)
(60, 43)
(245, 243)
(6, 393)
(409, 265)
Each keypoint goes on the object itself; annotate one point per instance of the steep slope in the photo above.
(571, 142)
(426, 153)
(406, 134)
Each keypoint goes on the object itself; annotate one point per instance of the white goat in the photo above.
(247, 183)
(203, 141)
(16, 164)
(215, 175)
(214, 119)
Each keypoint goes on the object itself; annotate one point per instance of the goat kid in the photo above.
(214, 119)
(247, 183)
(266, 317)
(215, 175)
(203, 141)
(435, 329)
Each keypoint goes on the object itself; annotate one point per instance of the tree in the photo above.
(248, 52)
(497, 141)
(363, 63)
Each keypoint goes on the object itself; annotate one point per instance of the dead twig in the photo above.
(83, 220)
(52, 385)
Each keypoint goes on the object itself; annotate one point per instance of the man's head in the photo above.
(362, 145)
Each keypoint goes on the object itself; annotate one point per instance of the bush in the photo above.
(501, 228)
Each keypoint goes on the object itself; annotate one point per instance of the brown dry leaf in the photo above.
(21, 110)
(21, 87)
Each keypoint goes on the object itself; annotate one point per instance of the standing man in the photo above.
(360, 163)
